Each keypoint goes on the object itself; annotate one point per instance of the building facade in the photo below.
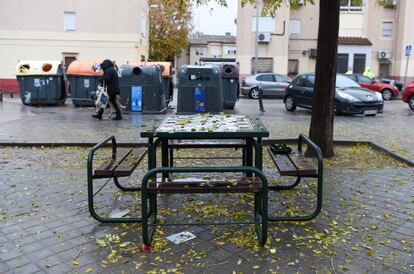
(203, 46)
(69, 30)
(373, 34)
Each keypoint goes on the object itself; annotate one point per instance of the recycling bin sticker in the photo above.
(200, 99)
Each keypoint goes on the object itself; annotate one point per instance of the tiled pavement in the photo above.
(365, 226)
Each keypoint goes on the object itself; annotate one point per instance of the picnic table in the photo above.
(202, 129)
(206, 127)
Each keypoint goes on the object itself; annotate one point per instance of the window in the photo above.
(303, 81)
(386, 29)
(293, 66)
(342, 63)
(264, 64)
(351, 5)
(282, 79)
(143, 26)
(352, 77)
(294, 28)
(359, 63)
(364, 79)
(266, 78)
(199, 51)
(216, 52)
(266, 24)
(230, 50)
(311, 81)
(69, 21)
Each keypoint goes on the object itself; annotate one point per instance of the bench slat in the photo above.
(215, 143)
(241, 185)
(126, 160)
(293, 164)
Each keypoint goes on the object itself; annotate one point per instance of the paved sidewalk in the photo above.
(365, 225)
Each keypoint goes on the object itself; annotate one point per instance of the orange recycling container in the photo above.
(84, 80)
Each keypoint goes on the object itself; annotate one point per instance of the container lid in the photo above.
(166, 65)
(38, 67)
(79, 67)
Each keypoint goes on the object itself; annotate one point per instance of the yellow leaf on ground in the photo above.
(89, 270)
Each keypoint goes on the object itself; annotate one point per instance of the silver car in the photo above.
(271, 83)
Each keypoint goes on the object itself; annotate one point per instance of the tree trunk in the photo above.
(321, 128)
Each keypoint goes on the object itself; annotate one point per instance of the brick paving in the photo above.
(365, 225)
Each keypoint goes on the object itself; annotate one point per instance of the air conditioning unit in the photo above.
(384, 54)
(263, 38)
(312, 53)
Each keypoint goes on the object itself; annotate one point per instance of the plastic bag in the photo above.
(102, 97)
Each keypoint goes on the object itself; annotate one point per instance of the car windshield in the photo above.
(345, 82)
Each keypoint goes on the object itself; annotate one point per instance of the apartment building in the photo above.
(373, 33)
(203, 46)
(69, 30)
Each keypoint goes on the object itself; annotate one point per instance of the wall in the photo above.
(277, 48)
(104, 29)
(404, 36)
(299, 45)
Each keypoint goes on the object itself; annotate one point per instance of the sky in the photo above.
(214, 19)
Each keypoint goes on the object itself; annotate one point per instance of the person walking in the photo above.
(110, 79)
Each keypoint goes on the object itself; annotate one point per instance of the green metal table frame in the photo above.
(253, 139)
(149, 201)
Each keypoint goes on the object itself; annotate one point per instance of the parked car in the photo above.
(350, 98)
(387, 90)
(398, 84)
(271, 83)
(408, 95)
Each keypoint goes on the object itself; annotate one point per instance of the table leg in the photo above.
(249, 155)
(164, 156)
(258, 154)
(150, 153)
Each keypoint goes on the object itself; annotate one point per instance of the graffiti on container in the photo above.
(27, 96)
(38, 83)
(86, 83)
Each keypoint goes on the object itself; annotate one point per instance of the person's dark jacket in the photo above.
(110, 77)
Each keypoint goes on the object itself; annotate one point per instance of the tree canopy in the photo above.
(170, 26)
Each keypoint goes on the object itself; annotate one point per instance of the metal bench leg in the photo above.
(123, 188)
(98, 217)
(305, 217)
(285, 187)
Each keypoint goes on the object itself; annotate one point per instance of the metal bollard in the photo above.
(11, 94)
(1, 96)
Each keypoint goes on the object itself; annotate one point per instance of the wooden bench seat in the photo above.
(192, 185)
(293, 164)
(207, 143)
(121, 164)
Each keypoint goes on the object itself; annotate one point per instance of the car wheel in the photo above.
(254, 93)
(290, 103)
(386, 94)
(411, 102)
